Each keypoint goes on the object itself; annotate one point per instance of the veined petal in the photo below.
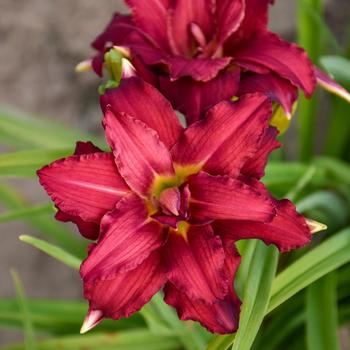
(193, 98)
(227, 137)
(331, 85)
(255, 166)
(151, 17)
(181, 15)
(86, 186)
(285, 59)
(221, 197)
(139, 153)
(127, 292)
(229, 16)
(195, 263)
(200, 69)
(287, 231)
(219, 317)
(128, 236)
(278, 89)
(142, 101)
(89, 230)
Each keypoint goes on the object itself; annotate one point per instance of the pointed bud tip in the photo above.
(128, 70)
(92, 319)
(84, 66)
(315, 226)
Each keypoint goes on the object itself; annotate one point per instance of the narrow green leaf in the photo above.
(123, 340)
(22, 130)
(338, 67)
(26, 212)
(256, 295)
(26, 163)
(328, 256)
(337, 169)
(54, 251)
(322, 319)
(28, 329)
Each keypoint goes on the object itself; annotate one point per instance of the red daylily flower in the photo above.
(199, 52)
(167, 204)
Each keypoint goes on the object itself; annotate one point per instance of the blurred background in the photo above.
(41, 42)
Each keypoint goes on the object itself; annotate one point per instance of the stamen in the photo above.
(198, 34)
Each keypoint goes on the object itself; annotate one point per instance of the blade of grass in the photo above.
(123, 340)
(52, 250)
(321, 320)
(327, 257)
(28, 329)
(27, 212)
(309, 37)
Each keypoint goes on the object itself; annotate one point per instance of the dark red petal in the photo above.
(220, 317)
(255, 166)
(138, 151)
(255, 21)
(142, 101)
(228, 136)
(285, 59)
(287, 231)
(193, 98)
(229, 16)
(127, 292)
(85, 148)
(97, 64)
(87, 186)
(89, 230)
(278, 89)
(200, 69)
(195, 264)
(181, 15)
(115, 33)
(128, 237)
(151, 17)
(221, 197)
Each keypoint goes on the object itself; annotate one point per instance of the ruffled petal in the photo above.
(151, 17)
(86, 186)
(278, 89)
(287, 231)
(139, 153)
(193, 98)
(142, 101)
(229, 15)
(221, 197)
(195, 263)
(182, 14)
(89, 230)
(128, 237)
(222, 316)
(255, 166)
(227, 137)
(285, 59)
(200, 69)
(127, 292)
(331, 85)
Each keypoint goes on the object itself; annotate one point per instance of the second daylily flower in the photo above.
(168, 204)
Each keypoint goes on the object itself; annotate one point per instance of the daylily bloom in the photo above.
(200, 52)
(167, 204)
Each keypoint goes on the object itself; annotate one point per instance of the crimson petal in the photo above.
(142, 101)
(221, 197)
(285, 59)
(127, 292)
(128, 236)
(193, 98)
(287, 231)
(86, 186)
(220, 317)
(228, 136)
(139, 153)
(195, 263)
(278, 89)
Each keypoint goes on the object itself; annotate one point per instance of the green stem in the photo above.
(310, 39)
